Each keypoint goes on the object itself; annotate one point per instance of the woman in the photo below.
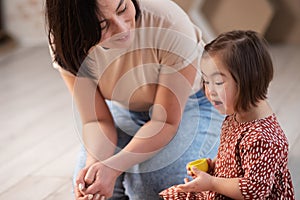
(132, 69)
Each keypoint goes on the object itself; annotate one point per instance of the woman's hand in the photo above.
(80, 195)
(96, 182)
(202, 182)
(80, 189)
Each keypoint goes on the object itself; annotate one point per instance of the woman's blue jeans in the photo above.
(197, 137)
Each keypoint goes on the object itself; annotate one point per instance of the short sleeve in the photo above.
(177, 40)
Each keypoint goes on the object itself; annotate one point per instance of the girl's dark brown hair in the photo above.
(73, 28)
(246, 56)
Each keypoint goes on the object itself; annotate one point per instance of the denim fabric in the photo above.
(197, 137)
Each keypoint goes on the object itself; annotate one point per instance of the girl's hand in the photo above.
(202, 182)
(211, 165)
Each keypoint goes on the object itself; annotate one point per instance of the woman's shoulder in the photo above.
(167, 15)
(163, 10)
(161, 7)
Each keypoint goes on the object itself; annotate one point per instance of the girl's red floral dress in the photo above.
(255, 151)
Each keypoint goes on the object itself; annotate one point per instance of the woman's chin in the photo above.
(120, 42)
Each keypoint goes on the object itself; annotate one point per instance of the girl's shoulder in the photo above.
(265, 131)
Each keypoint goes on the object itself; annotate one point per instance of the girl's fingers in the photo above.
(186, 180)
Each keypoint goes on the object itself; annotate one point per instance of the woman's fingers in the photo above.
(78, 190)
(91, 197)
(80, 182)
(83, 198)
(85, 188)
(97, 196)
(87, 197)
(90, 175)
(99, 181)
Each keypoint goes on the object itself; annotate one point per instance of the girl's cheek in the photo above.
(207, 95)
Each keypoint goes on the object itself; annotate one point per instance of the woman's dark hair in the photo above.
(246, 56)
(73, 28)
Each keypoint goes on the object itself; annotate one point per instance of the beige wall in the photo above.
(279, 21)
(285, 26)
(24, 21)
(227, 15)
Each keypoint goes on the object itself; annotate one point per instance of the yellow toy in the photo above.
(200, 164)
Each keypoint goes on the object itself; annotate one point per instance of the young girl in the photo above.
(253, 155)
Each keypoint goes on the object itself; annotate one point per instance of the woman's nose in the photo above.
(118, 25)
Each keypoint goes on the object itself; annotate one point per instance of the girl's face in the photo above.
(117, 21)
(220, 87)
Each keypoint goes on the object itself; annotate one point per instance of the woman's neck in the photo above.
(260, 111)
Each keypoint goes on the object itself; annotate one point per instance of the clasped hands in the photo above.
(95, 182)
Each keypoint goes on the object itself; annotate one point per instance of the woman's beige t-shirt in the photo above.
(165, 41)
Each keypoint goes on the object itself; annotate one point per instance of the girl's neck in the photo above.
(260, 111)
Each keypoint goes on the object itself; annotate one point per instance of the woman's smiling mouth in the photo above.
(124, 37)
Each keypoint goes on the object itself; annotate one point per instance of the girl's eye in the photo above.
(219, 83)
(122, 11)
(205, 82)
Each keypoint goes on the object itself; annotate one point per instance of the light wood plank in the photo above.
(34, 158)
(63, 193)
(34, 188)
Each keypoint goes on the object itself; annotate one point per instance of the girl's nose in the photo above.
(211, 90)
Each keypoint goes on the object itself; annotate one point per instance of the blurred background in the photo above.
(38, 138)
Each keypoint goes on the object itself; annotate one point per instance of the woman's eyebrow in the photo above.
(120, 3)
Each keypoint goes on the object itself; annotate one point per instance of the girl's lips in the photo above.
(216, 103)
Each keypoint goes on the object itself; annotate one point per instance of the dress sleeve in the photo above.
(260, 160)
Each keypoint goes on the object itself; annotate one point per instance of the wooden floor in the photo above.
(38, 140)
